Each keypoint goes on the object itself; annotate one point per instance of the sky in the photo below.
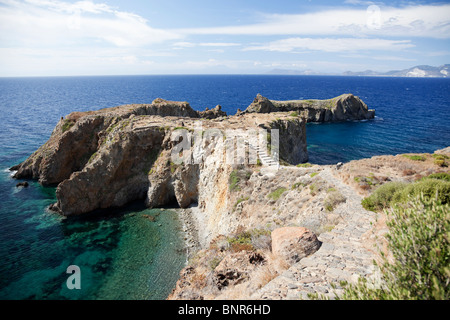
(136, 37)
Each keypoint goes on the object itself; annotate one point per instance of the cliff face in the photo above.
(77, 137)
(342, 108)
(113, 156)
(110, 157)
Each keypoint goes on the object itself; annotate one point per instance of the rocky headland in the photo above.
(259, 230)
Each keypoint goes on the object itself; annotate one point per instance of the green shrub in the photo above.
(441, 156)
(236, 176)
(67, 125)
(313, 189)
(312, 175)
(439, 176)
(214, 262)
(382, 196)
(415, 157)
(297, 184)
(239, 201)
(440, 163)
(304, 165)
(397, 192)
(294, 114)
(440, 159)
(250, 240)
(418, 238)
(428, 187)
(234, 181)
(332, 199)
(275, 195)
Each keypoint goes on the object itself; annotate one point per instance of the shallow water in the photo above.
(122, 254)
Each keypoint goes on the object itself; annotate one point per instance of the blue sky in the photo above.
(111, 37)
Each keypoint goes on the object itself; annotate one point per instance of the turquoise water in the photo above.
(121, 253)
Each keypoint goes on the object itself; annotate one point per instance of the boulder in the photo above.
(213, 113)
(261, 105)
(294, 243)
(22, 184)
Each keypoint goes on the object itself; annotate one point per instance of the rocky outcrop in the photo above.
(213, 113)
(342, 108)
(115, 174)
(294, 243)
(76, 138)
(68, 150)
(292, 140)
(443, 151)
(107, 158)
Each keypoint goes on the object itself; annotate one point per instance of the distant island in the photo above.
(421, 71)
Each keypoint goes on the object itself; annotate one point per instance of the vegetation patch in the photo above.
(239, 201)
(392, 193)
(236, 176)
(275, 195)
(439, 176)
(440, 160)
(313, 188)
(368, 182)
(67, 125)
(92, 157)
(180, 128)
(415, 157)
(333, 199)
(304, 165)
(297, 184)
(312, 175)
(418, 238)
(441, 155)
(250, 240)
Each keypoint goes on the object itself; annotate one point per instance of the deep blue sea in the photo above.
(121, 253)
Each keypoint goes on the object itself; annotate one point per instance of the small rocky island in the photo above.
(259, 230)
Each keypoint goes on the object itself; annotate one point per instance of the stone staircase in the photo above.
(266, 159)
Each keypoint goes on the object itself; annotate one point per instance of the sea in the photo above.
(123, 254)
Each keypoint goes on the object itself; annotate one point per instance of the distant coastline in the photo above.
(422, 71)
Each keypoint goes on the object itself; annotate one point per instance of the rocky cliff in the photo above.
(110, 157)
(342, 108)
(105, 158)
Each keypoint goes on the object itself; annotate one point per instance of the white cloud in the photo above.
(185, 44)
(38, 23)
(392, 58)
(412, 21)
(332, 45)
(219, 44)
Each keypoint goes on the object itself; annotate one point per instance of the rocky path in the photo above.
(345, 253)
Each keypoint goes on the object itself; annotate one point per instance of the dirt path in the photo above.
(345, 253)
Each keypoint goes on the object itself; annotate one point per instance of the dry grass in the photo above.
(261, 276)
(367, 174)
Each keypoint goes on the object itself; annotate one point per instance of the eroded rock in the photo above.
(294, 243)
